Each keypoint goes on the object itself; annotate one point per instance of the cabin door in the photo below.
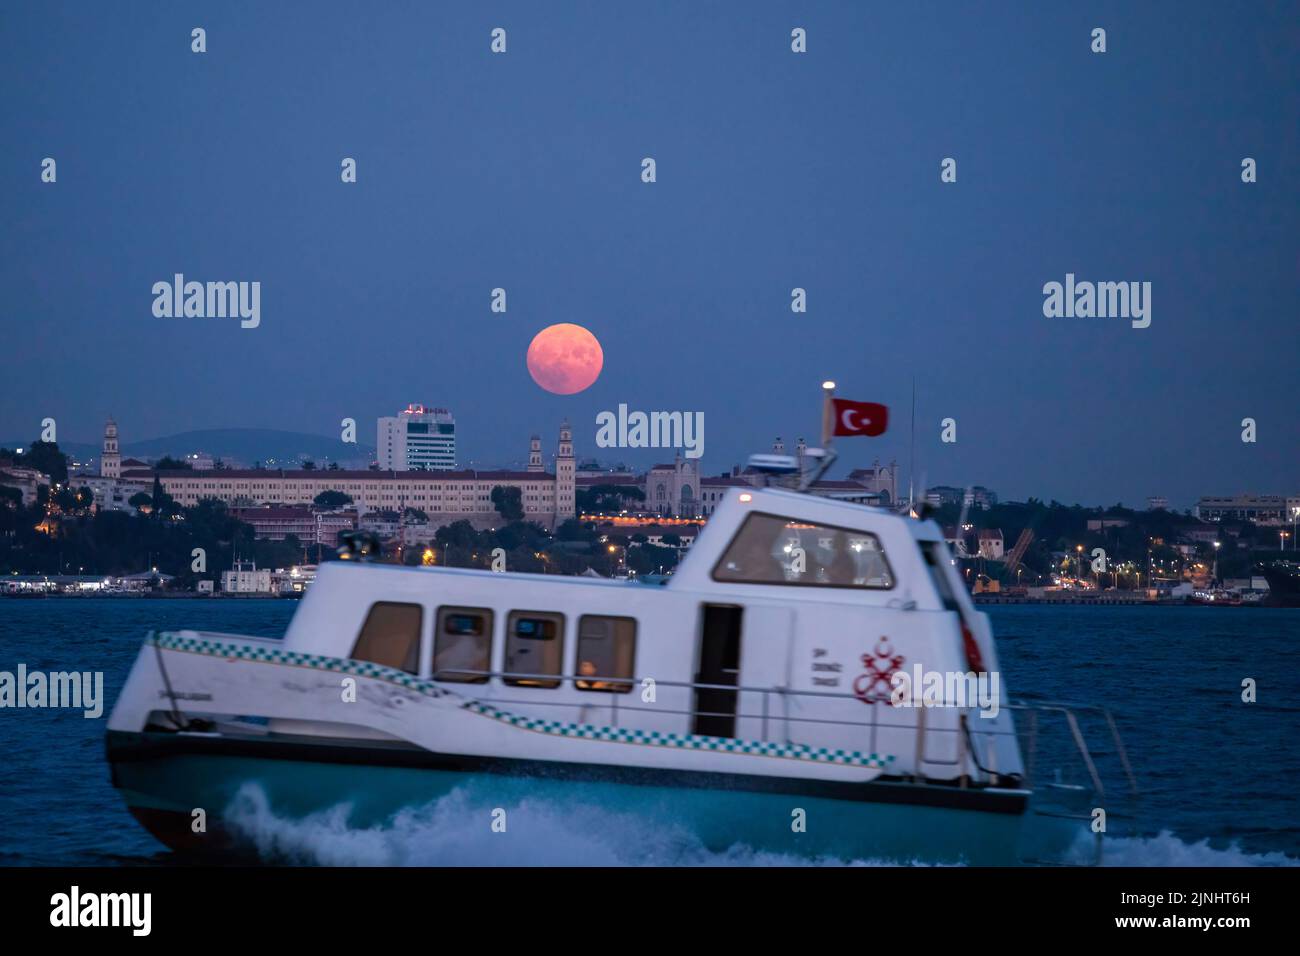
(715, 708)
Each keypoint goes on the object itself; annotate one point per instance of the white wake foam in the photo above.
(1165, 849)
(545, 832)
(539, 832)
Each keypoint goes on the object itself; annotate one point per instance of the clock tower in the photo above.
(110, 461)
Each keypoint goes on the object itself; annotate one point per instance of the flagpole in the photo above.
(828, 436)
(828, 392)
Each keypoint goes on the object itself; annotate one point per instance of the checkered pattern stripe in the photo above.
(277, 655)
(653, 738)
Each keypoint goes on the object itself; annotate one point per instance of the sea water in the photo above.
(1214, 772)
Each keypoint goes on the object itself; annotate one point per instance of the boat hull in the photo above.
(1283, 579)
(165, 777)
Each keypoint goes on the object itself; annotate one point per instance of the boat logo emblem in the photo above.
(881, 665)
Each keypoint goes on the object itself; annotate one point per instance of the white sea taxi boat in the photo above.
(754, 700)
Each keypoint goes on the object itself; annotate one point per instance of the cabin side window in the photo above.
(391, 636)
(606, 653)
(769, 549)
(462, 645)
(534, 648)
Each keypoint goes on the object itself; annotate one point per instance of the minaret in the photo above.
(801, 452)
(535, 453)
(778, 447)
(565, 475)
(110, 462)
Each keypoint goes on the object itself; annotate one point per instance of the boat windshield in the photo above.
(769, 549)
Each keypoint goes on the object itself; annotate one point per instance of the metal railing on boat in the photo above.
(1029, 737)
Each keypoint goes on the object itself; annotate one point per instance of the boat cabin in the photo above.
(786, 620)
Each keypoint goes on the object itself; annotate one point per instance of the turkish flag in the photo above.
(859, 418)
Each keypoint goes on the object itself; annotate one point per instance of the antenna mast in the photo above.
(911, 460)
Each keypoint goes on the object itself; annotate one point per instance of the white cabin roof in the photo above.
(345, 590)
(896, 533)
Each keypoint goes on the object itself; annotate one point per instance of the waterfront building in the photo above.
(941, 495)
(83, 583)
(309, 525)
(389, 526)
(111, 491)
(848, 489)
(445, 496)
(881, 480)
(991, 545)
(142, 581)
(417, 439)
(961, 540)
(1157, 503)
(25, 479)
(980, 497)
(294, 580)
(670, 489)
(685, 537)
(1259, 509)
(591, 468)
(115, 494)
(244, 578)
(876, 486)
(714, 489)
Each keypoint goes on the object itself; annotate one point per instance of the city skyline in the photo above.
(537, 459)
(776, 171)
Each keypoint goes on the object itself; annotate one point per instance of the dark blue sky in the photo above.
(775, 170)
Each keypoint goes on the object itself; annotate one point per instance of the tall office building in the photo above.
(417, 439)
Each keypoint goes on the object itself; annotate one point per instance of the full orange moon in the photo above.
(565, 358)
